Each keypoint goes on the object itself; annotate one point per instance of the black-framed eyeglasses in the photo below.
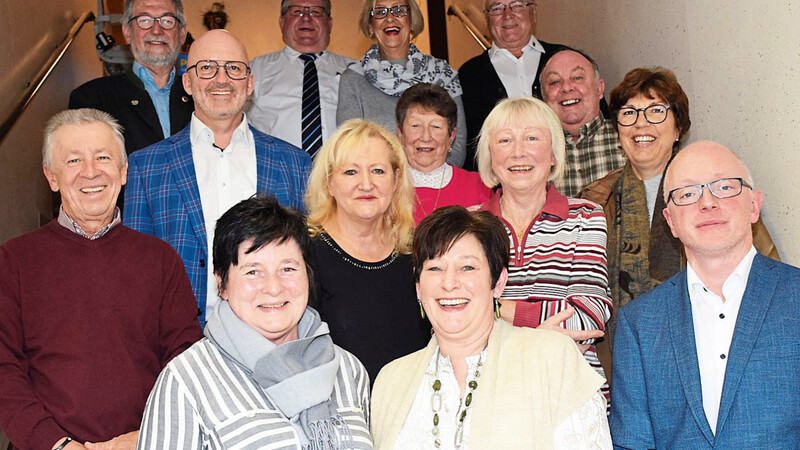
(655, 114)
(722, 188)
(396, 10)
(208, 69)
(315, 12)
(145, 22)
(497, 9)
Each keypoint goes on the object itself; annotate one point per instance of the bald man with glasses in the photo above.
(178, 188)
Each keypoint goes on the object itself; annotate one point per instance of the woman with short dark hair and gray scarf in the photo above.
(267, 374)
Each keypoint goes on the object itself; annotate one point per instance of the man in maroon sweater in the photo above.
(90, 310)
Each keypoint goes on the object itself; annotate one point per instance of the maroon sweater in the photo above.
(85, 328)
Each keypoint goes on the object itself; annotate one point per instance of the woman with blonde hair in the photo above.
(360, 201)
(557, 276)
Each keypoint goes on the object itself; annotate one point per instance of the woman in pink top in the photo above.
(426, 117)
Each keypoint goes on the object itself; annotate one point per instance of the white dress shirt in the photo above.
(714, 324)
(586, 428)
(224, 178)
(517, 74)
(277, 100)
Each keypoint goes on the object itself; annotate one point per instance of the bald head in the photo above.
(711, 227)
(219, 99)
(217, 45)
(695, 156)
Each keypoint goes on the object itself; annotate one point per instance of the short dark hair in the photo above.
(429, 97)
(437, 233)
(261, 220)
(653, 82)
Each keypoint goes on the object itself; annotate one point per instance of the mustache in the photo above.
(221, 86)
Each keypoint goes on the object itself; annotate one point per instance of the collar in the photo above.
(435, 179)
(533, 44)
(200, 132)
(293, 54)
(588, 129)
(66, 221)
(736, 281)
(147, 78)
(555, 204)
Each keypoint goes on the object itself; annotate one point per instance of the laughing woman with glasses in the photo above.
(370, 88)
(652, 117)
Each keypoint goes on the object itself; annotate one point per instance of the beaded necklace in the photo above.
(463, 407)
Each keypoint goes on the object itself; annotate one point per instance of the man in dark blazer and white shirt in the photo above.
(148, 101)
(510, 68)
(709, 359)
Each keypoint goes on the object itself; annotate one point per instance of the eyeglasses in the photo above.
(655, 114)
(145, 22)
(315, 12)
(722, 188)
(497, 9)
(208, 68)
(396, 10)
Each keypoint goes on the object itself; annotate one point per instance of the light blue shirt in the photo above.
(160, 96)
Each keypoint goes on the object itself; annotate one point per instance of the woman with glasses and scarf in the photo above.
(370, 88)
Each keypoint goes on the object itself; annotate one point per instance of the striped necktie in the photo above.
(312, 118)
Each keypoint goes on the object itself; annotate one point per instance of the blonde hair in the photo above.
(520, 112)
(417, 21)
(321, 206)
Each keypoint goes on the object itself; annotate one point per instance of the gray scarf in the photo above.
(298, 377)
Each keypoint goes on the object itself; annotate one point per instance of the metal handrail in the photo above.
(34, 85)
(471, 28)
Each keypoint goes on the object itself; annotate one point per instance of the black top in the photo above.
(371, 308)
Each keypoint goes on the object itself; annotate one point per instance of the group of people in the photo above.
(320, 253)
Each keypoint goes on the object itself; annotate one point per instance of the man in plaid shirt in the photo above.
(572, 87)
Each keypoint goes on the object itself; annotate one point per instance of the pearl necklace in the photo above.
(463, 407)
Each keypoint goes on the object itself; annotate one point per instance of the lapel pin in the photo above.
(134, 102)
(185, 99)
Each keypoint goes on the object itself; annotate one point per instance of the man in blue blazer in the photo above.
(710, 358)
(179, 187)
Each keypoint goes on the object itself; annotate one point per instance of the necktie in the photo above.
(311, 113)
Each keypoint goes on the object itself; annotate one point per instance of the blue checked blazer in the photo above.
(162, 198)
(656, 396)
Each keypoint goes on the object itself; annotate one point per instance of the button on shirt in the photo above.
(224, 178)
(714, 324)
(276, 104)
(159, 96)
(517, 74)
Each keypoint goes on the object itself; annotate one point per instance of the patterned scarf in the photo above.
(298, 376)
(394, 78)
(640, 255)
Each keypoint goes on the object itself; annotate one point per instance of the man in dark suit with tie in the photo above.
(709, 359)
(179, 187)
(148, 101)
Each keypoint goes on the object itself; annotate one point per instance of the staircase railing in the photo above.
(33, 86)
(471, 28)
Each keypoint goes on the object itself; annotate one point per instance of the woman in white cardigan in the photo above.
(482, 383)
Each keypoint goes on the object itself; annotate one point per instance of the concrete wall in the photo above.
(738, 61)
(28, 39)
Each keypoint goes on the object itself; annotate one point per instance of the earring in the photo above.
(421, 310)
(496, 307)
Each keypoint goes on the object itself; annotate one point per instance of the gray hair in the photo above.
(568, 49)
(79, 117)
(285, 5)
(127, 15)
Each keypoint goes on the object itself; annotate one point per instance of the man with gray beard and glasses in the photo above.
(148, 101)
